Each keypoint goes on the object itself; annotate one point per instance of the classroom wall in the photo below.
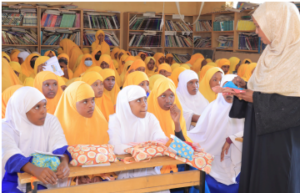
(222, 54)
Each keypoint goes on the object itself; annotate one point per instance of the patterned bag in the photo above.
(45, 161)
(92, 154)
(147, 150)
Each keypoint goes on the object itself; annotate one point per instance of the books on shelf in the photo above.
(177, 26)
(100, 21)
(202, 42)
(145, 23)
(9, 49)
(180, 58)
(225, 41)
(53, 38)
(245, 25)
(30, 19)
(135, 52)
(12, 19)
(223, 25)
(110, 38)
(19, 36)
(54, 18)
(141, 40)
(178, 41)
(248, 41)
(203, 25)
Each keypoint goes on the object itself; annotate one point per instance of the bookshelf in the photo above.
(80, 28)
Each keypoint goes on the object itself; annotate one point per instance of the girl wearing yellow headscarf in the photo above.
(111, 88)
(106, 62)
(122, 62)
(137, 65)
(208, 60)
(47, 83)
(116, 64)
(6, 96)
(150, 64)
(94, 69)
(153, 79)
(40, 60)
(77, 63)
(128, 53)
(138, 78)
(62, 58)
(175, 74)
(26, 69)
(9, 77)
(137, 57)
(174, 66)
(186, 66)
(246, 61)
(16, 67)
(114, 53)
(90, 128)
(72, 80)
(212, 78)
(197, 65)
(121, 52)
(102, 101)
(242, 70)
(234, 64)
(249, 71)
(72, 50)
(194, 58)
(14, 55)
(164, 117)
(6, 56)
(50, 53)
(159, 58)
(126, 68)
(86, 51)
(142, 55)
(202, 73)
(164, 69)
(100, 36)
(60, 51)
(29, 82)
(86, 62)
(224, 64)
(169, 59)
(96, 54)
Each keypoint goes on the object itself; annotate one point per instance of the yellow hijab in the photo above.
(72, 80)
(242, 70)
(113, 52)
(213, 64)
(122, 76)
(76, 63)
(233, 62)
(79, 129)
(135, 78)
(106, 58)
(204, 86)
(5, 55)
(27, 71)
(135, 65)
(194, 58)
(6, 96)
(70, 72)
(61, 81)
(86, 51)
(164, 117)
(72, 50)
(112, 95)
(197, 65)
(48, 52)
(249, 70)
(40, 60)
(174, 66)
(170, 56)
(223, 62)
(116, 64)
(147, 60)
(29, 82)
(94, 69)
(137, 57)
(208, 60)
(186, 66)
(95, 52)
(123, 59)
(157, 56)
(140, 55)
(105, 49)
(15, 66)
(9, 77)
(164, 66)
(82, 67)
(14, 55)
(202, 73)
(153, 79)
(38, 84)
(60, 51)
(175, 74)
(243, 62)
(103, 103)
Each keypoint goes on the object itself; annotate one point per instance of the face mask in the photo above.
(32, 64)
(97, 57)
(88, 63)
(62, 60)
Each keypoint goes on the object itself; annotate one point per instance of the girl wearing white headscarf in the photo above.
(271, 104)
(21, 138)
(125, 127)
(211, 131)
(191, 104)
(22, 56)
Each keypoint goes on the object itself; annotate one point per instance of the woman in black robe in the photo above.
(271, 105)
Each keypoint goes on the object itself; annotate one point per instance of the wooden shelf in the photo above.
(179, 48)
(202, 32)
(254, 51)
(143, 30)
(223, 31)
(18, 45)
(227, 49)
(19, 26)
(101, 29)
(145, 47)
(68, 28)
(202, 48)
(245, 31)
(50, 45)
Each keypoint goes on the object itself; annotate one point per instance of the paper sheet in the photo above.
(52, 65)
(48, 153)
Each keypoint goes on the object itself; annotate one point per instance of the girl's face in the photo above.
(143, 57)
(151, 64)
(260, 33)
(161, 60)
(49, 88)
(104, 65)
(225, 68)
(139, 107)
(165, 73)
(215, 80)
(86, 107)
(98, 88)
(50, 54)
(145, 85)
(100, 37)
(166, 100)
(109, 83)
(193, 86)
(37, 114)
(142, 69)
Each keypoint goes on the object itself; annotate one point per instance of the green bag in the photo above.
(49, 161)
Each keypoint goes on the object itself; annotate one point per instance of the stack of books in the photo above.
(53, 38)
(248, 41)
(100, 21)
(225, 42)
(55, 18)
(110, 38)
(12, 19)
(140, 40)
(19, 36)
(135, 52)
(8, 49)
(177, 26)
(203, 25)
(202, 42)
(223, 25)
(178, 41)
(145, 23)
(30, 19)
(180, 58)
(22, 17)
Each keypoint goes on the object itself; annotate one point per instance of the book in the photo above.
(180, 58)
(100, 21)
(248, 41)
(202, 42)
(178, 41)
(19, 36)
(145, 23)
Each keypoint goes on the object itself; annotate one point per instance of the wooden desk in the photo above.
(140, 184)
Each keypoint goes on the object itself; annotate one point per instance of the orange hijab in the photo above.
(224, 62)
(157, 56)
(48, 52)
(123, 59)
(135, 78)
(82, 67)
(106, 58)
(79, 129)
(175, 74)
(140, 54)
(135, 65)
(105, 49)
(70, 72)
(194, 58)
(113, 52)
(27, 71)
(112, 95)
(249, 71)
(94, 53)
(242, 70)
(170, 56)
(38, 84)
(6, 96)
(72, 50)
(40, 60)
(164, 66)
(149, 72)
(197, 65)
(14, 55)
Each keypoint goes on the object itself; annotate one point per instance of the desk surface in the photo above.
(114, 167)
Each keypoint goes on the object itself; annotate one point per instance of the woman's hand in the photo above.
(239, 82)
(41, 67)
(175, 113)
(246, 96)
(63, 170)
(225, 149)
(45, 175)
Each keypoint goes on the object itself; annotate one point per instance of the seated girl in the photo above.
(133, 124)
(138, 78)
(64, 62)
(165, 70)
(213, 132)
(111, 88)
(137, 65)
(106, 62)
(86, 62)
(192, 101)
(150, 64)
(27, 128)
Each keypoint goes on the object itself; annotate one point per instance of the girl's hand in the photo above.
(225, 149)
(63, 170)
(175, 113)
(45, 175)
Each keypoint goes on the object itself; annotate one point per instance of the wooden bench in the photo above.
(138, 185)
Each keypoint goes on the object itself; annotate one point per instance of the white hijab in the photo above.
(211, 131)
(20, 136)
(195, 103)
(23, 55)
(278, 69)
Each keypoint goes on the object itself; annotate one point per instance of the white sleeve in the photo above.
(156, 130)
(115, 139)
(238, 144)
(188, 115)
(57, 137)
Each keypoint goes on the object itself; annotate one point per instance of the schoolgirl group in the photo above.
(114, 98)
